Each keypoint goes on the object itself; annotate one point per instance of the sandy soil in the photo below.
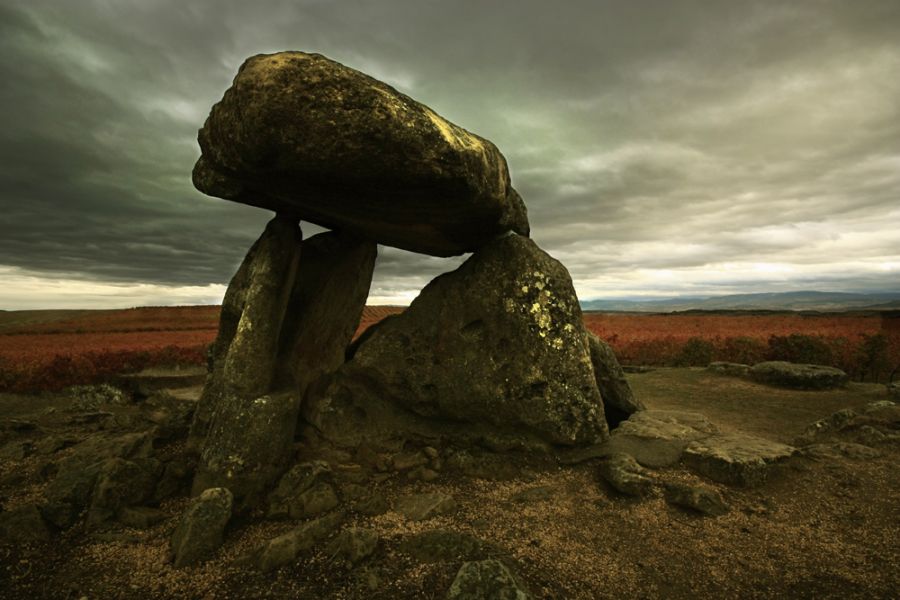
(822, 529)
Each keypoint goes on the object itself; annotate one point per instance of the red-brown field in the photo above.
(46, 350)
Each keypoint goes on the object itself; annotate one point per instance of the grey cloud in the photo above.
(650, 135)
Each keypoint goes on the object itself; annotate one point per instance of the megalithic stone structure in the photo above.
(493, 353)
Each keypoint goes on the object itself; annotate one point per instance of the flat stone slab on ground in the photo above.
(657, 438)
(735, 458)
(800, 376)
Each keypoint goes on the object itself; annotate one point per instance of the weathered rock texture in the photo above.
(202, 527)
(792, 375)
(619, 402)
(325, 307)
(251, 427)
(735, 458)
(300, 134)
(657, 438)
(495, 350)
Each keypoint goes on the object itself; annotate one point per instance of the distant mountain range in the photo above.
(798, 301)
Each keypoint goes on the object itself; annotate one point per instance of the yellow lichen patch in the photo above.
(456, 136)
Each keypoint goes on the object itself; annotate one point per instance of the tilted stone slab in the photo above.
(304, 135)
(618, 400)
(736, 458)
(494, 350)
(325, 307)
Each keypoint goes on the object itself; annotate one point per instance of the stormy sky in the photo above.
(663, 148)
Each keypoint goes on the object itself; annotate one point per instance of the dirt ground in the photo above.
(826, 528)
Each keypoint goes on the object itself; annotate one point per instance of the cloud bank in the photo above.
(662, 147)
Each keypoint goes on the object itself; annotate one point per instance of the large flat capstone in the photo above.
(301, 134)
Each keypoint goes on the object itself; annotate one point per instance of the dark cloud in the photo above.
(661, 146)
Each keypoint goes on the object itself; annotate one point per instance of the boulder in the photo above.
(201, 529)
(302, 492)
(284, 549)
(657, 438)
(301, 134)
(23, 525)
(800, 376)
(701, 498)
(486, 580)
(354, 544)
(325, 307)
(728, 368)
(71, 491)
(619, 402)
(735, 458)
(495, 351)
(141, 517)
(120, 483)
(624, 474)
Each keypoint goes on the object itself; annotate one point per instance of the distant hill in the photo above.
(809, 300)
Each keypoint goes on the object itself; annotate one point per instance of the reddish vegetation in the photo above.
(93, 346)
(866, 346)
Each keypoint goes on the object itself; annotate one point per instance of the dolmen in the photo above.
(493, 353)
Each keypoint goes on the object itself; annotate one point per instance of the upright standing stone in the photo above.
(305, 135)
(325, 307)
(252, 427)
(230, 316)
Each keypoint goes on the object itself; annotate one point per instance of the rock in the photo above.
(141, 517)
(201, 529)
(354, 544)
(444, 367)
(422, 474)
(791, 375)
(175, 479)
(618, 400)
(285, 548)
(736, 459)
(535, 494)
(16, 450)
(71, 490)
(701, 498)
(23, 525)
(92, 397)
(120, 484)
(624, 474)
(373, 505)
(893, 390)
(252, 427)
(148, 382)
(839, 449)
(303, 492)
(52, 444)
(444, 545)
(729, 368)
(403, 461)
(325, 307)
(301, 134)
(17, 425)
(486, 580)
(420, 507)
(657, 438)
(831, 424)
(230, 316)
(485, 465)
